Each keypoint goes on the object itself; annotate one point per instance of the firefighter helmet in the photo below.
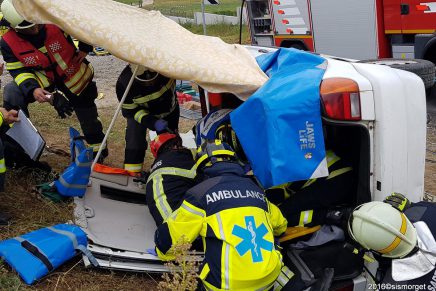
(159, 141)
(211, 152)
(379, 227)
(11, 15)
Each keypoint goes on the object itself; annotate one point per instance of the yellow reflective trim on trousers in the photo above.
(95, 146)
(308, 183)
(43, 49)
(133, 167)
(139, 115)
(2, 166)
(60, 61)
(14, 66)
(1, 119)
(156, 95)
(23, 77)
(160, 198)
(129, 106)
(42, 79)
(339, 172)
(305, 217)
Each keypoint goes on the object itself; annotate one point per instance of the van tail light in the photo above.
(341, 99)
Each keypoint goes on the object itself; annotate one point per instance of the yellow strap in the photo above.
(43, 49)
(2, 166)
(60, 61)
(14, 66)
(339, 172)
(156, 95)
(397, 240)
(20, 78)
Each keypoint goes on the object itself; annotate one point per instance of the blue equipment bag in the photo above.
(75, 178)
(206, 127)
(280, 126)
(37, 253)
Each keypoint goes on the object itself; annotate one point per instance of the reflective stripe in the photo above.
(42, 79)
(2, 166)
(14, 66)
(68, 234)
(95, 146)
(139, 115)
(81, 164)
(191, 173)
(129, 106)
(192, 210)
(331, 158)
(339, 172)
(397, 240)
(23, 77)
(133, 167)
(60, 61)
(43, 49)
(68, 185)
(155, 95)
(308, 183)
(225, 276)
(78, 88)
(73, 80)
(160, 198)
(305, 217)
(1, 119)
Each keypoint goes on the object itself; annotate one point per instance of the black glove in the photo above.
(398, 201)
(62, 105)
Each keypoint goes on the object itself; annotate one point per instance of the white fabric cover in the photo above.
(150, 39)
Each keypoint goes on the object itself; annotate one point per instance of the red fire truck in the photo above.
(358, 29)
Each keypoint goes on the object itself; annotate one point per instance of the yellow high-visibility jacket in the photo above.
(237, 225)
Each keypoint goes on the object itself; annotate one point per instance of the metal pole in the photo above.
(111, 125)
(204, 17)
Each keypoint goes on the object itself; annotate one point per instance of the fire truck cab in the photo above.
(357, 29)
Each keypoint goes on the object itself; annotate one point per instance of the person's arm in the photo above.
(183, 226)
(8, 116)
(278, 221)
(23, 76)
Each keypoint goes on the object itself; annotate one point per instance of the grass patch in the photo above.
(227, 32)
(186, 8)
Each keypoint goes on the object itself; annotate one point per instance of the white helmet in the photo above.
(379, 227)
(12, 16)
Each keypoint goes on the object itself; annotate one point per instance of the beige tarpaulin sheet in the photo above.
(150, 39)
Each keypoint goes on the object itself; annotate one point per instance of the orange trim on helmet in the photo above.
(397, 240)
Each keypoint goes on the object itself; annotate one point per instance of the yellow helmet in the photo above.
(11, 15)
(379, 227)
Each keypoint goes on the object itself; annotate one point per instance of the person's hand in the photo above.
(80, 56)
(160, 125)
(398, 201)
(62, 105)
(9, 116)
(41, 95)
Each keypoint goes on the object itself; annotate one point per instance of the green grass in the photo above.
(228, 33)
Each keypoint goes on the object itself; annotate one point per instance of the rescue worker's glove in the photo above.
(161, 126)
(398, 201)
(61, 103)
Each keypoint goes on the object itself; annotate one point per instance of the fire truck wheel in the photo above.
(423, 68)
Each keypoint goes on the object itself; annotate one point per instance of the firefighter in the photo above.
(46, 67)
(312, 202)
(171, 175)
(6, 117)
(150, 104)
(237, 224)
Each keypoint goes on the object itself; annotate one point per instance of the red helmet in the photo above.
(159, 141)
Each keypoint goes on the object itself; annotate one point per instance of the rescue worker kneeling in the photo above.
(237, 224)
(172, 174)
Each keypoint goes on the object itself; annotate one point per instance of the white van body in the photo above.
(393, 126)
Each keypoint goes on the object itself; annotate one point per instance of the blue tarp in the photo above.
(280, 125)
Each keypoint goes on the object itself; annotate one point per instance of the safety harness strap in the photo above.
(35, 251)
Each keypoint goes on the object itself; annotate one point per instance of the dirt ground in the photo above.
(29, 212)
